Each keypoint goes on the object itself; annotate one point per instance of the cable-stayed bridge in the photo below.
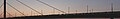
(115, 14)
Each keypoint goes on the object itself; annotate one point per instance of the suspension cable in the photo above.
(29, 7)
(1, 5)
(15, 9)
(50, 6)
(8, 13)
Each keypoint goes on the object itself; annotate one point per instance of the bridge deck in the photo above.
(79, 15)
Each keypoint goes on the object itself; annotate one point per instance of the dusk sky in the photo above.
(1, 9)
(79, 5)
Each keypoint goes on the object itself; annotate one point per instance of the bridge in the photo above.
(116, 14)
(110, 14)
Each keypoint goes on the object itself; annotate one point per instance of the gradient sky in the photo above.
(1, 9)
(79, 5)
(97, 5)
